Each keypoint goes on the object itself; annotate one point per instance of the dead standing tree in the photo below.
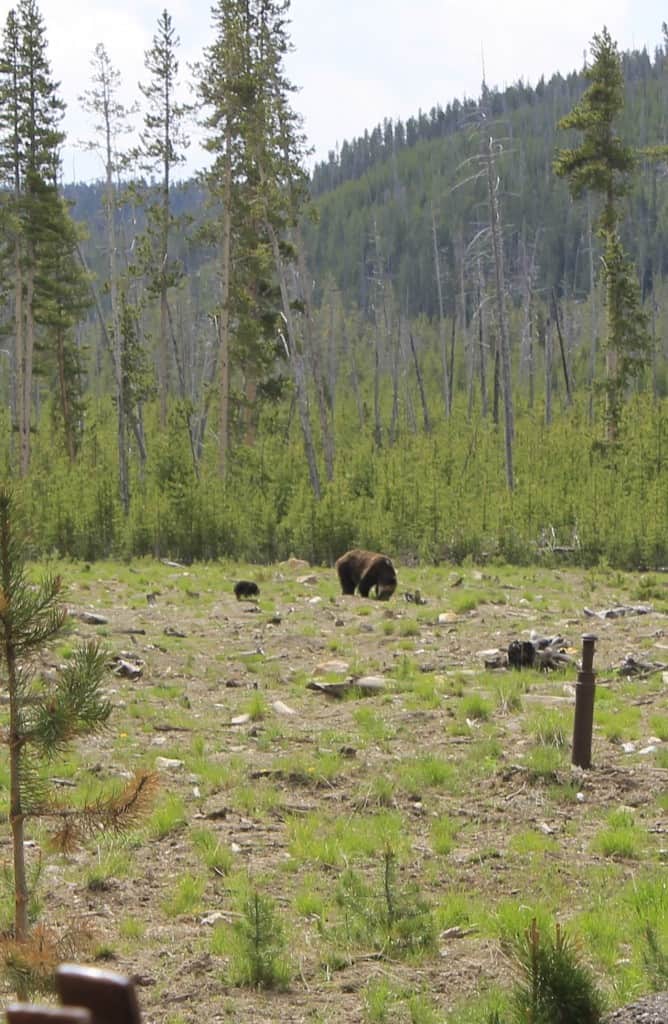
(382, 335)
(112, 119)
(313, 353)
(485, 169)
(447, 369)
(490, 152)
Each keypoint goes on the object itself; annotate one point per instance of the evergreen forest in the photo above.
(448, 341)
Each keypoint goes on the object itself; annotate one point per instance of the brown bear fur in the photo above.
(363, 570)
(246, 590)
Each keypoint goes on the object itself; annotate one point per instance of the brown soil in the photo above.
(231, 651)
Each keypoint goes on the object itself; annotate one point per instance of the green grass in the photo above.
(113, 861)
(620, 724)
(215, 854)
(443, 834)
(325, 794)
(621, 838)
(544, 762)
(414, 775)
(531, 843)
(339, 840)
(132, 928)
(476, 708)
(256, 707)
(186, 897)
(551, 728)
(659, 726)
(372, 725)
(509, 693)
(168, 816)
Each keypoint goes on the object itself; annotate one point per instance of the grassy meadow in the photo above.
(376, 855)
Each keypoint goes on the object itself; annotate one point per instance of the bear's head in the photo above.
(386, 582)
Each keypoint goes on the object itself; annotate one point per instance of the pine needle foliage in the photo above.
(30, 967)
(394, 921)
(555, 986)
(602, 163)
(655, 959)
(259, 957)
(45, 716)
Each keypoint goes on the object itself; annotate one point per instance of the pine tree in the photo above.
(30, 139)
(163, 143)
(235, 92)
(277, 152)
(226, 91)
(602, 163)
(44, 717)
(62, 300)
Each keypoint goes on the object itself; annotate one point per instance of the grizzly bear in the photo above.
(246, 590)
(365, 570)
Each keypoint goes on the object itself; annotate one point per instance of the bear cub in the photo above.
(246, 590)
(364, 570)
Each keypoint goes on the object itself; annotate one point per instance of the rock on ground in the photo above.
(648, 1010)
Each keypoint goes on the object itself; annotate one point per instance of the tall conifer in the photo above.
(162, 148)
(602, 163)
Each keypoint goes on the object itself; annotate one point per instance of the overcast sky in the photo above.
(355, 62)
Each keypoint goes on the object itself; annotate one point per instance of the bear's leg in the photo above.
(347, 579)
(366, 583)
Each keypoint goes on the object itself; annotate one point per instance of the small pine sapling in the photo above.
(555, 986)
(45, 716)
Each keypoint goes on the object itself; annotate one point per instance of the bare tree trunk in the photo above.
(349, 353)
(496, 383)
(223, 321)
(655, 359)
(528, 277)
(497, 245)
(548, 372)
(198, 397)
(382, 328)
(17, 392)
(117, 336)
(28, 354)
(64, 398)
(20, 346)
(404, 364)
(137, 419)
(16, 816)
(531, 369)
(394, 416)
(594, 311)
(250, 394)
(467, 329)
(423, 398)
(452, 355)
(377, 424)
(162, 356)
(564, 362)
(163, 348)
(332, 362)
(483, 346)
(315, 361)
(297, 362)
(447, 390)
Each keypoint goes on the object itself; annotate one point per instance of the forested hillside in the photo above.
(411, 179)
(437, 345)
